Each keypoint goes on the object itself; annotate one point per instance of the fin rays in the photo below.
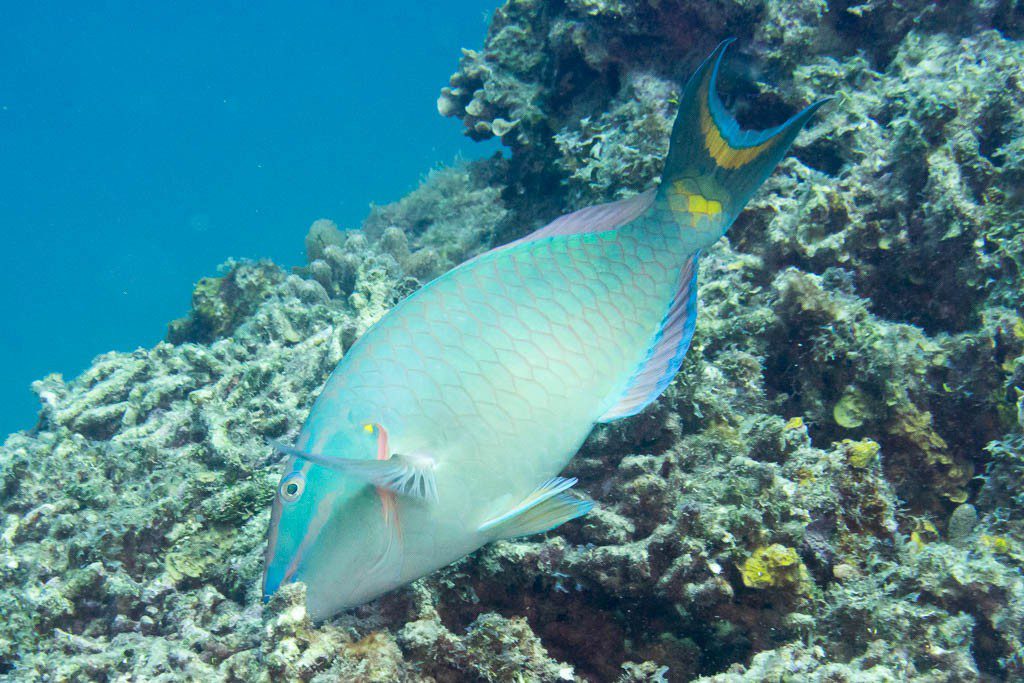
(407, 475)
(708, 144)
(548, 506)
(668, 348)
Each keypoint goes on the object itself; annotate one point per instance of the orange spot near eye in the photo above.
(382, 441)
(389, 509)
(388, 501)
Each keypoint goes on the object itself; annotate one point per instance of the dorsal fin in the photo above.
(600, 218)
(596, 218)
(665, 355)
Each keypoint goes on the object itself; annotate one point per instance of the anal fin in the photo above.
(548, 506)
(668, 347)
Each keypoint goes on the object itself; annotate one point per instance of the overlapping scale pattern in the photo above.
(520, 350)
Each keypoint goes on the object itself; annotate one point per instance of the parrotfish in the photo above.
(447, 423)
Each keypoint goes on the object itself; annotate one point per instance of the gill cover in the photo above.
(306, 497)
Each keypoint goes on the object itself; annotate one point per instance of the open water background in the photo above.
(142, 144)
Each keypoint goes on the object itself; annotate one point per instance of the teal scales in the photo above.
(445, 426)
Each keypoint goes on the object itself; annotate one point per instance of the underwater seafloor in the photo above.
(831, 490)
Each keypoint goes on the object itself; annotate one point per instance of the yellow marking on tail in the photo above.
(682, 202)
(724, 154)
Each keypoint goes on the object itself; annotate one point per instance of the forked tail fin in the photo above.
(713, 167)
(711, 172)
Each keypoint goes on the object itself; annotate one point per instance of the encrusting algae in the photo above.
(774, 566)
(860, 453)
(883, 259)
(851, 410)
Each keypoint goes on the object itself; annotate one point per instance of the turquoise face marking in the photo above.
(287, 526)
(304, 502)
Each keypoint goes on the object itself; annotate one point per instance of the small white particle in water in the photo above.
(565, 673)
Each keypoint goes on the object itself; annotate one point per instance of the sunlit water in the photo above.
(142, 145)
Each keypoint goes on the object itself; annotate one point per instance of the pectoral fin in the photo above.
(406, 475)
(548, 506)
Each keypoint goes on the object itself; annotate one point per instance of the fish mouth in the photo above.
(273, 578)
(269, 587)
(271, 582)
(276, 577)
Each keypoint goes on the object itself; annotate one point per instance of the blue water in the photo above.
(143, 144)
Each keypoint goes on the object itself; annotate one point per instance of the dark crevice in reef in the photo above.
(917, 297)
(590, 630)
(753, 110)
(822, 156)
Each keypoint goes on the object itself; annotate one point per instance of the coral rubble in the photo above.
(831, 489)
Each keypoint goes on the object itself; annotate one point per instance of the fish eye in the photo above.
(292, 487)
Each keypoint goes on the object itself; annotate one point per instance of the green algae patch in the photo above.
(997, 544)
(773, 566)
(851, 411)
(924, 533)
(221, 304)
(860, 454)
(194, 553)
(182, 565)
(916, 431)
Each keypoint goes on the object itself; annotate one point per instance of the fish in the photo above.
(446, 425)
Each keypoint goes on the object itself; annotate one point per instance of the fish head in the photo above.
(327, 530)
(303, 503)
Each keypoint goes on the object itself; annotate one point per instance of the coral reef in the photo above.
(832, 489)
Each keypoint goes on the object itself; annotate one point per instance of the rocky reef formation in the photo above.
(831, 489)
